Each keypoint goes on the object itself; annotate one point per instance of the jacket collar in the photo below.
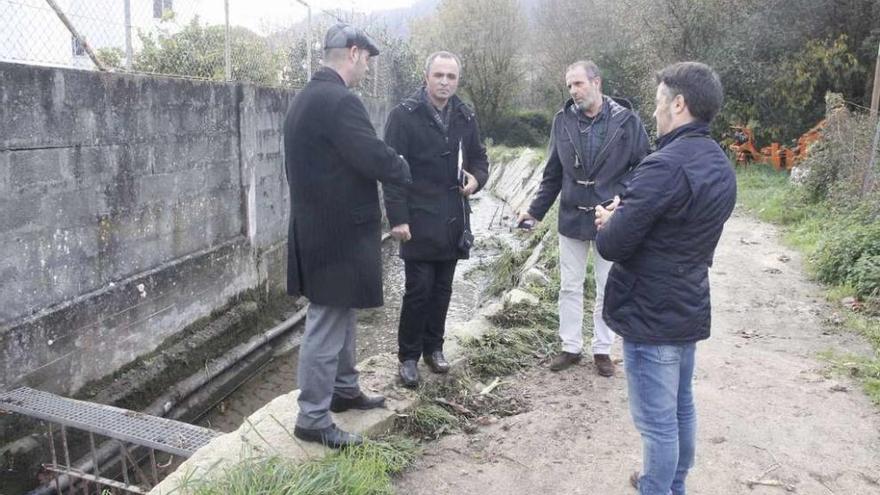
(417, 100)
(692, 128)
(329, 75)
(616, 112)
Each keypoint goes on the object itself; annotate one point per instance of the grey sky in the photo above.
(259, 15)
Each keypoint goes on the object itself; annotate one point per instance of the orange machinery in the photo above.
(778, 156)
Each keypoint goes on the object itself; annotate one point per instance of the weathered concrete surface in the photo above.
(517, 181)
(131, 207)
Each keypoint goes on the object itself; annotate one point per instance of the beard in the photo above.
(584, 104)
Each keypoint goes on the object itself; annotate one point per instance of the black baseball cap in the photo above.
(346, 36)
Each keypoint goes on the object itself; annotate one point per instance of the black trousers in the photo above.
(425, 303)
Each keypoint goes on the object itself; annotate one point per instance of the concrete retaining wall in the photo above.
(130, 206)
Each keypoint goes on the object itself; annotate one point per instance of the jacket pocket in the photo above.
(366, 214)
(427, 224)
(619, 290)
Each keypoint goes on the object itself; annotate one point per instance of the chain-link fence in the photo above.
(189, 38)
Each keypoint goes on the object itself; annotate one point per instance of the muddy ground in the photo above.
(768, 408)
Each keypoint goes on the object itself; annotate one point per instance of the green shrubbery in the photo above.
(525, 128)
(832, 214)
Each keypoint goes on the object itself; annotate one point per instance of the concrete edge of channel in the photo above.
(269, 431)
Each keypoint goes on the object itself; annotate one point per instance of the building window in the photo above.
(78, 49)
(160, 7)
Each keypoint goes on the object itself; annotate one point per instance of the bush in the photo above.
(865, 276)
(836, 164)
(527, 128)
(850, 255)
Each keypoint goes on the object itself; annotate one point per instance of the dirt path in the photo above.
(766, 407)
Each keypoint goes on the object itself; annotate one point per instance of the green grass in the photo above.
(808, 226)
(503, 351)
(427, 420)
(865, 370)
(505, 272)
(362, 470)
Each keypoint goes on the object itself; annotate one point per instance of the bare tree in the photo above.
(489, 36)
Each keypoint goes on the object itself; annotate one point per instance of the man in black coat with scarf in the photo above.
(439, 137)
(333, 160)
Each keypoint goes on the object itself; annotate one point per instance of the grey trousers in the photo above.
(327, 358)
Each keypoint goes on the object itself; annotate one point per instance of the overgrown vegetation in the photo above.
(362, 470)
(776, 59)
(833, 218)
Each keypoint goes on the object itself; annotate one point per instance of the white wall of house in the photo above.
(31, 32)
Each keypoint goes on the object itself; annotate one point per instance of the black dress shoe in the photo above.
(330, 436)
(409, 373)
(437, 362)
(341, 404)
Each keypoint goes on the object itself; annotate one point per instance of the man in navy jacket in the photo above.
(661, 234)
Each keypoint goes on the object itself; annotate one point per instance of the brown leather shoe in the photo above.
(604, 365)
(563, 360)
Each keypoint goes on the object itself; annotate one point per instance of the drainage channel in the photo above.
(255, 372)
(377, 328)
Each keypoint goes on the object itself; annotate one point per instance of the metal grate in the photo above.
(162, 434)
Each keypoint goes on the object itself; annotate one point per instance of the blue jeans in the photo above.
(661, 401)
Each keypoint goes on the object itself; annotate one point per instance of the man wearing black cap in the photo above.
(333, 160)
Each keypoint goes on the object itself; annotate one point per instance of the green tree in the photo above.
(199, 51)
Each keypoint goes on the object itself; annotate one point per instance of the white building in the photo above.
(32, 32)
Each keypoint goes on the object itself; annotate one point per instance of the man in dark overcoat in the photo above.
(334, 158)
(438, 135)
(661, 234)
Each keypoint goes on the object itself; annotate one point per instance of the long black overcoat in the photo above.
(433, 206)
(333, 159)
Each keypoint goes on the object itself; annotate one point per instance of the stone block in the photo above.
(28, 167)
(19, 211)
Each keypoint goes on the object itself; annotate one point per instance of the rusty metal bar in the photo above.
(122, 463)
(113, 484)
(54, 457)
(95, 463)
(64, 445)
(153, 466)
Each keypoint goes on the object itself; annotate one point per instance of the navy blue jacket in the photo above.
(662, 239)
(583, 185)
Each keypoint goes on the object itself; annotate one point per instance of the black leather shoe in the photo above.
(331, 436)
(409, 373)
(437, 362)
(342, 404)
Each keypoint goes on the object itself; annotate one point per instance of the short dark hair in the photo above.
(698, 84)
(441, 54)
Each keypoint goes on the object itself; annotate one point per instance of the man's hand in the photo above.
(603, 214)
(470, 184)
(401, 232)
(524, 216)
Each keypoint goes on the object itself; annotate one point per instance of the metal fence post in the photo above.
(228, 60)
(128, 49)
